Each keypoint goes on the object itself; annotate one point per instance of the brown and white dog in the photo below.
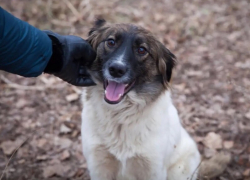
(130, 127)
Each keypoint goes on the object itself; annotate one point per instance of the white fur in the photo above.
(120, 59)
(146, 140)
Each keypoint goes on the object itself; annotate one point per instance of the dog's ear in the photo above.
(98, 23)
(95, 32)
(166, 63)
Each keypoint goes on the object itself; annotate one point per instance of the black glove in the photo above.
(71, 55)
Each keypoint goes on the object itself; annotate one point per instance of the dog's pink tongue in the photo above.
(114, 90)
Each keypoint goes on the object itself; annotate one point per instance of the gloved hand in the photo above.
(70, 58)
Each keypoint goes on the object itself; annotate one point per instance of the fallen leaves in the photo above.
(72, 97)
(41, 142)
(246, 173)
(158, 17)
(55, 169)
(213, 141)
(21, 103)
(208, 153)
(64, 129)
(228, 144)
(42, 157)
(64, 155)
(62, 142)
(9, 147)
(215, 166)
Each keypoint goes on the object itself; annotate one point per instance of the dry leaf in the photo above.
(72, 97)
(162, 27)
(246, 173)
(194, 73)
(213, 141)
(41, 143)
(228, 144)
(42, 157)
(247, 115)
(84, 165)
(62, 142)
(234, 36)
(9, 147)
(65, 129)
(158, 17)
(65, 155)
(56, 168)
(75, 133)
(215, 166)
(180, 87)
(79, 172)
(208, 153)
(52, 170)
(21, 103)
(21, 161)
(171, 43)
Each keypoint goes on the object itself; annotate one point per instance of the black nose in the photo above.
(117, 70)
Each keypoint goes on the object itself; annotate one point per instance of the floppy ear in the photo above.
(166, 63)
(95, 33)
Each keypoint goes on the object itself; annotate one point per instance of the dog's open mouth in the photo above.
(114, 92)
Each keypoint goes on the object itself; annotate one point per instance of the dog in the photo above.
(130, 127)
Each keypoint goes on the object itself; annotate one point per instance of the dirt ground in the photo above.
(211, 87)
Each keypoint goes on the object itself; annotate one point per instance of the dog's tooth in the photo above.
(120, 95)
(105, 92)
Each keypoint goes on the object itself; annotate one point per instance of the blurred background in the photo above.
(41, 116)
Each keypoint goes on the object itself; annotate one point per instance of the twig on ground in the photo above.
(7, 164)
(195, 171)
(35, 88)
(49, 11)
(61, 23)
(72, 8)
(17, 86)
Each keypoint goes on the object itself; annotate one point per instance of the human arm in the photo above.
(28, 51)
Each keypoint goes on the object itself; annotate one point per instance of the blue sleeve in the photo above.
(24, 49)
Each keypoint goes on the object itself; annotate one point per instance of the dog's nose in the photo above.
(117, 70)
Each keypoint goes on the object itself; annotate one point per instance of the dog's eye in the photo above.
(142, 51)
(111, 42)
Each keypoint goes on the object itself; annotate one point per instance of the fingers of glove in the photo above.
(85, 81)
(83, 71)
(84, 78)
(80, 49)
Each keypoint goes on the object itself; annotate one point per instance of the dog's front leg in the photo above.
(102, 165)
(143, 168)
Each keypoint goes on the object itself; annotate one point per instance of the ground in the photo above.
(40, 117)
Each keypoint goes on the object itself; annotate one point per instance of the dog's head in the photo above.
(129, 58)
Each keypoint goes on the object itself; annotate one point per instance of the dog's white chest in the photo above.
(125, 140)
(125, 131)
